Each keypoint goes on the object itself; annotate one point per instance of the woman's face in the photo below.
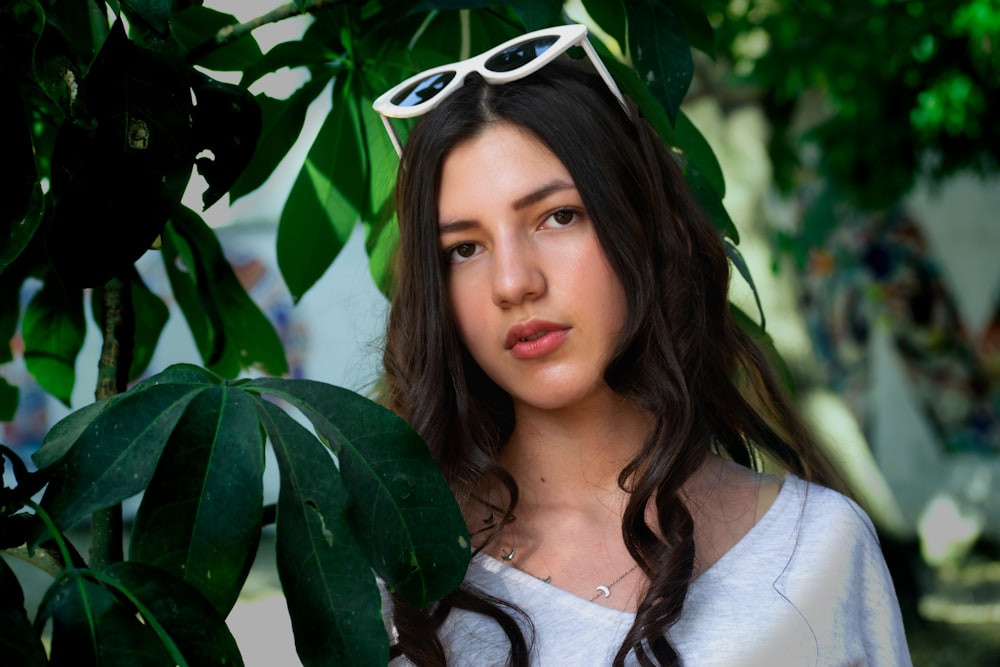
(536, 302)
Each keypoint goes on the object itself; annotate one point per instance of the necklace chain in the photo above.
(604, 589)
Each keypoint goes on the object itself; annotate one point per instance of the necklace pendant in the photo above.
(606, 590)
(509, 556)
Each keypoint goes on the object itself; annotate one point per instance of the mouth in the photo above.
(529, 331)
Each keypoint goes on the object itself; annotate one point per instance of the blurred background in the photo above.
(859, 146)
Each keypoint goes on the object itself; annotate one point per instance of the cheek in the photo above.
(467, 311)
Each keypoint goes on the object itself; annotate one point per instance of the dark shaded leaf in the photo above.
(283, 121)
(711, 203)
(660, 51)
(538, 14)
(114, 456)
(301, 53)
(680, 133)
(333, 601)
(766, 343)
(91, 626)
(401, 508)
(197, 26)
(19, 645)
(121, 166)
(226, 121)
(19, 216)
(229, 329)
(736, 257)
(610, 16)
(194, 626)
(326, 199)
(200, 516)
(9, 395)
(697, 28)
(53, 330)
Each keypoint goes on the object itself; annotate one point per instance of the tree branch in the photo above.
(231, 33)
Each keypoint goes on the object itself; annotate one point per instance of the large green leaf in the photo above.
(283, 121)
(302, 53)
(226, 124)
(54, 330)
(215, 452)
(679, 133)
(326, 199)
(113, 457)
(19, 645)
(402, 510)
(19, 216)
(180, 612)
(333, 601)
(198, 26)
(660, 51)
(91, 626)
(229, 329)
(9, 395)
(611, 17)
(121, 165)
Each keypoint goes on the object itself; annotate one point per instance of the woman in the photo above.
(561, 338)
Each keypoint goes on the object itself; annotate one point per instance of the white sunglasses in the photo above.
(514, 59)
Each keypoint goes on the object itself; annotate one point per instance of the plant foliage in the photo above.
(110, 107)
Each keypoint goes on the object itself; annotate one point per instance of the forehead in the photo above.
(499, 166)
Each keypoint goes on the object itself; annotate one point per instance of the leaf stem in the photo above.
(231, 33)
(118, 325)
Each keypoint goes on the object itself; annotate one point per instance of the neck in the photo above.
(570, 456)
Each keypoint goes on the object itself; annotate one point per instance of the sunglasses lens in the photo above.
(422, 90)
(520, 54)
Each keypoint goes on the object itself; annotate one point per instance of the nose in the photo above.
(517, 274)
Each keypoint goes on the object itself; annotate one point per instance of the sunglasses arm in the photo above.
(392, 135)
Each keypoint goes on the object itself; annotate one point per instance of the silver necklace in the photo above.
(603, 589)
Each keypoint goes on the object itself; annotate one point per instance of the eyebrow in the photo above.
(533, 197)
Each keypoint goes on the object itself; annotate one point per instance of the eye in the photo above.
(561, 218)
(460, 252)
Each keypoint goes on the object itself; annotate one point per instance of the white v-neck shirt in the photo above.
(807, 585)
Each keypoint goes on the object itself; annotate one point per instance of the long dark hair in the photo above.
(681, 357)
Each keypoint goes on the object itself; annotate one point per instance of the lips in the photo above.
(534, 338)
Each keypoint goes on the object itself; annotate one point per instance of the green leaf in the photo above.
(610, 16)
(301, 53)
(120, 168)
(197, 26)
(180, 612)
(333, 601)
(54, 330)
(200, 516)
(90, 626)
(538, 14)
(283, 121)
(402, 510)
(151, 316)
(710, 202)
(19, 645)
(697, 27)
(765, 343)
(680, 133)
(65, 432)
(9, 395)
(21, 213)
(660, 52)
(114, 456)
(736, 257)
(229, 329)
(226, 123)
(326, 199)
